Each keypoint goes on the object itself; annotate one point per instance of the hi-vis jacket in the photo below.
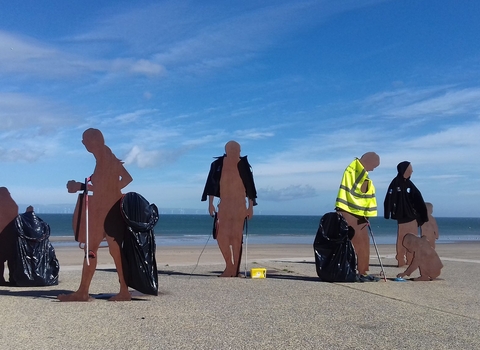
(350, 197)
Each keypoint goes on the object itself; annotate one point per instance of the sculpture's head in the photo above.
(232, 149)
(370, 161)
(4, 192)
(6, 198)
(93, 139)
(404, 169)
(429, 208)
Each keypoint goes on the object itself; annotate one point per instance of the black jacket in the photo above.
(403, 201)
(212, 185)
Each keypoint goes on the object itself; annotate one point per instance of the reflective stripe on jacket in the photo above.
(350, 197)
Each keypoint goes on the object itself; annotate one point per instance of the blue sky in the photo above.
(303, 86)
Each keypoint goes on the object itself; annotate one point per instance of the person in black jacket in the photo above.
(230, 179)
(404, 203)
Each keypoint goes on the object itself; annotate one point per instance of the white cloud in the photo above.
(147, 39)
(211, 37)
(28, 58)
(435, 102)
(254, 134)
(462, 136)
(144, 158)
(141, 157)
(147, 68)
(20, 111)
(28, 146)
(287, 193)
(132, 117)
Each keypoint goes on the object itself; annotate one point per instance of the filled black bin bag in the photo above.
(138, 249)
(35, 263)
(335, 257)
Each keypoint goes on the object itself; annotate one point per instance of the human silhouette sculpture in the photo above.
(356, 201)
(8, 214)
(230, 179)
(404, 203)
(430, 228)
(105, 221)
(424, 258)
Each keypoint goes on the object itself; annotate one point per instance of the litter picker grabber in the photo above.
(245, 226)
(376, 249)
(214, 235)
(85, 192)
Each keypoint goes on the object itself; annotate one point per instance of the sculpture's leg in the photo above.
(225, 244)
(361, 243)
(87, 272)
(402, 253)
(237, 252)
(231, 215)
(115, 252)
(116, 230)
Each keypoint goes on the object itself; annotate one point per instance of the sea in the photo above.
(195, 229)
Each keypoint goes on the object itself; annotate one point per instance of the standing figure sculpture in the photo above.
(356, 202)
(430, 228)
(105, 220)
(404, 203)
(230, 179)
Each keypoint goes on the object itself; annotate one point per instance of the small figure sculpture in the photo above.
(430, 228)
(230, 179)
(404, 203)
(8, 214)
(105, 220)
(425, 258)
(356, 201)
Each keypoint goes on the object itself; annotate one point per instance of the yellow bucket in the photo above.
(258, 272)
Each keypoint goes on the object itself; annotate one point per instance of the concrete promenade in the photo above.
(290, 309)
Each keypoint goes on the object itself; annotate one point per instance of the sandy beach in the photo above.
(290, 309)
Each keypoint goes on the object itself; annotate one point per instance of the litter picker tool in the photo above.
(214, 235)
(376, 249)
(245, 226)
(85, 192)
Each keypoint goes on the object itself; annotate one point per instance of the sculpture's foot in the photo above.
(121, 297)
(422, 278)
(228, 273)
(76, 296)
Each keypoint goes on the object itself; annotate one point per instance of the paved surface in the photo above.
(290, 309)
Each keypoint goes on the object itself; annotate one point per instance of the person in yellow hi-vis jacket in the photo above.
(356, 201)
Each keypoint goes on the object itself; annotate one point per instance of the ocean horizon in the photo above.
(196, 229)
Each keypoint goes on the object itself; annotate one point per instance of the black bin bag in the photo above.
(335, 257)
(138, 249)
(35, 263)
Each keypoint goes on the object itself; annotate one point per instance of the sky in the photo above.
(303, 86)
